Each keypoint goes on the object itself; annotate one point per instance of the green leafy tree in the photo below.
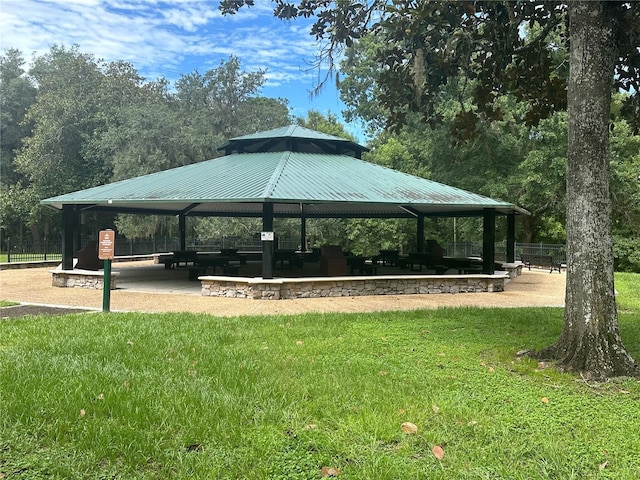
(17, 94)
(328, 124)
(65, 116)
(225, 101)
(426, 44)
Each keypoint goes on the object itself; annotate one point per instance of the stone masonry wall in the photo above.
(349, 286)
(81, 279)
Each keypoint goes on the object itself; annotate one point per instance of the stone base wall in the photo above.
(81, 279)
(282, 288)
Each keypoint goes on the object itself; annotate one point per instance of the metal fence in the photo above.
(474, 249)
(29, 251)
(48, 249)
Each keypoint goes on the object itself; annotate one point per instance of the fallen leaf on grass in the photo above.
(82, 412)
(438, 452)
(409, 428)
(604, 465)
(311, 426)
(383, 373)
(330, 471)
(435, 408)
(544, 400)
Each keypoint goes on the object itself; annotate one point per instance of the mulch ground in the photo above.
(16, 311)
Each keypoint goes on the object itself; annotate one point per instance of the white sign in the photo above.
(267, 236)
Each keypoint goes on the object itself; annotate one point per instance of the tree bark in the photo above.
(590, 341)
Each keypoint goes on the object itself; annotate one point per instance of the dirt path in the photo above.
(33, 286)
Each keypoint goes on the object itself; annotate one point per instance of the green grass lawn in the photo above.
(177, 396)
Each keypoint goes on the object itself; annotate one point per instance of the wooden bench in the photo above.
(529, 259)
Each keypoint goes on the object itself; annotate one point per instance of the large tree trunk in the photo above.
(590, 341)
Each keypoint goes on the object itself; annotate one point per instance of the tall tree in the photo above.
(225, 100)
(590, 338)
(17, 94)
(65, 115)
(428, 43)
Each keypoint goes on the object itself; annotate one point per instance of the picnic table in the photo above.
(423, 259)
(363, 265)
(290, 257)
(180, 256)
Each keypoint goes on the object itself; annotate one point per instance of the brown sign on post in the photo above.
(106, 244)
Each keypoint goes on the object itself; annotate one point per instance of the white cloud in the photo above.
(155, 33)
(167, 38)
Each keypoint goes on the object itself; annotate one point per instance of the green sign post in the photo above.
(106, 249)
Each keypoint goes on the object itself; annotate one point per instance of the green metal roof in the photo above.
(238, 184)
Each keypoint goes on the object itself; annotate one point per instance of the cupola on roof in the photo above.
(293, 138)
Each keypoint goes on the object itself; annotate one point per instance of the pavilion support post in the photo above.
(420, 234)
(267, 245)
(511, 238)
(69, 226)
(77, 232)
(182, 228)
(303, 229)
(489, 241)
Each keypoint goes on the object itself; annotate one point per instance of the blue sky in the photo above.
(168, 38)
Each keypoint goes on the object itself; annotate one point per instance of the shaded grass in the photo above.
(628, 287)
(192, 396)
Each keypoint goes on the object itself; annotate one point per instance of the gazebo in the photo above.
(288, 172)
